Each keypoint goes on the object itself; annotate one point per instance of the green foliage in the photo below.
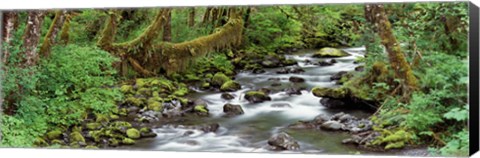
(457, 145)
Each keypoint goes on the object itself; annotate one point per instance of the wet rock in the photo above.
(265, 90)
(295, 70)
(274, 79)
(320, 119)
(338, 75)
(281, 105)
(302, 125)
(360, 68)
(324, 63)
(192, 142)
(332, 125)
(283, 141)
(232, 109)
(333, 61)
(230, 86)
(209, 127)
(256, 96)
(309, 62)
(333, 103)
(289, 62)
(295, 79)
(276, 84)
(293, 91)
(270, 63)
(187, 133)
(227, 96)
(330, 52)
(258, 71)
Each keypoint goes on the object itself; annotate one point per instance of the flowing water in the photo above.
(249, 132)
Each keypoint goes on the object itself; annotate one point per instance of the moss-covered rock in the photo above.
(256, 96)
(201, 110)
(93, 125)
(330, 52)
(230, 86)
(77, 137)
(119, 125)
(57, 142)
(133, 133)
(128, 141)
(205, 85)
(127, 89)
(91, 147)
(101, 118)
(113, 142)
(154, 105)
(40, 142)
(134, 101)
(329, 92)
(144, 91)
(219, 79)
(182, 90)
(55, 134)
(141, 82)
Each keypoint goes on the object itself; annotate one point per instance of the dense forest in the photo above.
(359, 78)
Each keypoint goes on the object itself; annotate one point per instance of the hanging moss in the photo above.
(148, 58)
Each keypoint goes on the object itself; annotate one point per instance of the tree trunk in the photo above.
(49, 39)
(206, 16)
(376, 14)
(64, 33)
(247, 17)
(32, 37)
(191, 17)
(167, 28)
(10, 22)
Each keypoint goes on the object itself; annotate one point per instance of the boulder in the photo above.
(329, 92)
(232, 109)
(320, 119)
(256, 96)
(293, 91)
(133, 133)
(219, 79)
(227, 96)
(360, 68)
(328, 52)
(230, 86)
(283, 141)
(333, 103)
(295, 79)
(338, 75)
(332, 125)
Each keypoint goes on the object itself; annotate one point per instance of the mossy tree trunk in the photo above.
(191, 17)
(376, 14)
(10, 22)
(50, 38)
(32, 36)
(148, 58)
(64, 33)
(206, 15)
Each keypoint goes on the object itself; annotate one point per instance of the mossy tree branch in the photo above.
(52, 33)
(151, 57)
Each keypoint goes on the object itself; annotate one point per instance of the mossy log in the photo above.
(172, 57)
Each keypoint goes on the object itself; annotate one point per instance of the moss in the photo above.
(330, 52)
(209, 75)
(230, 86)
(54, 134)
(134, 101)
(205, 85)
(126, 89)
(96, 135)
(330, 92)
(395, 145)
(128, 141)
(144, 91)
(181, 91)
(122, 112)
(219, 79)
(118, 125)
(91, 147)
(201, 109)
(113, 142)
(76, 137)
(140, 83)
(154, 105)
(39, 142)
(183, 101)
(133, 133)
(114, 117)
(57, 142)
(93, 125)
(102, 118)
(145, 130)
